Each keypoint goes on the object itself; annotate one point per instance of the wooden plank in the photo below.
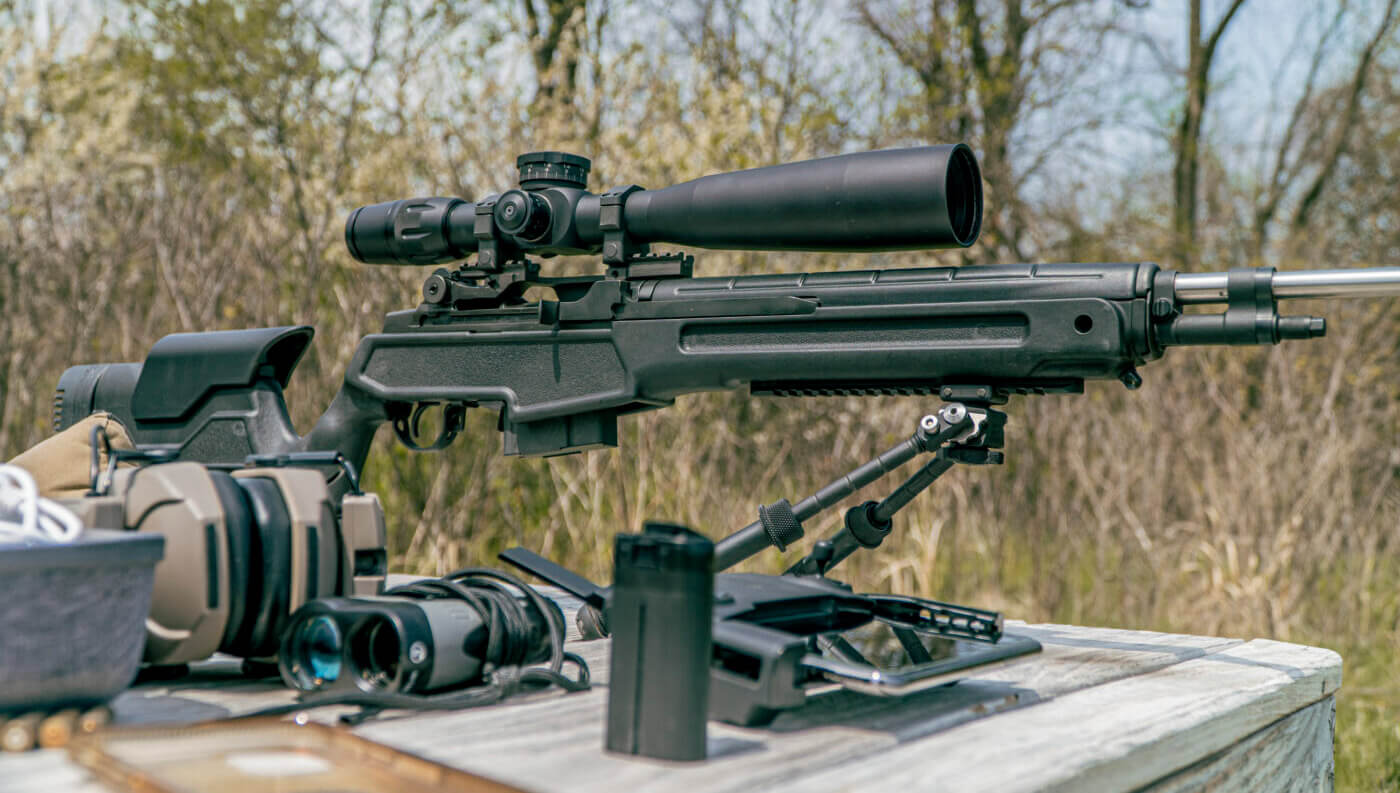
(555, 742)
(45, 771)
(1119, 736)
(1073, 658)
(835, 730)
(1292, 755)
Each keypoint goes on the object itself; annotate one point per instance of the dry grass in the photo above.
(1243, 492)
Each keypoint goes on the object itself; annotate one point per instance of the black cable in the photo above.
(507, 646)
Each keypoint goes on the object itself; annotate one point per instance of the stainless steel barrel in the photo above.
(1356, 282)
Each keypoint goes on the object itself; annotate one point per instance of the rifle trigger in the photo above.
(453, 420)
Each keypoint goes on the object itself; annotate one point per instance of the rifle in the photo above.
(561, 371)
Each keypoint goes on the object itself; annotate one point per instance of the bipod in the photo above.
(957, 433)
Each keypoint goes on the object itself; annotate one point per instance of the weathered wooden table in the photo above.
(1098, 710)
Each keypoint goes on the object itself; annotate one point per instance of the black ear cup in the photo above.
(269, 594)
(238, 522)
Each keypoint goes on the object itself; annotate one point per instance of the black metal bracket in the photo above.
(654, 266)
(618, 246)
(306, 459)
(473, 287)
(1251, 314)
(490, 253)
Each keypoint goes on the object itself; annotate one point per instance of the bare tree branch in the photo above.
(1348, 121)
(1186, 173)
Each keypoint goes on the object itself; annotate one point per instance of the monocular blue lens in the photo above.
(321, 640)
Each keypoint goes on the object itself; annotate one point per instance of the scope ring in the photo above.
(453, 419)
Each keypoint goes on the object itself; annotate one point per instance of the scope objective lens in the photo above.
(374, 651)
(319, 646)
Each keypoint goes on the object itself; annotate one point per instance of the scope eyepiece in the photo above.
(412, 231)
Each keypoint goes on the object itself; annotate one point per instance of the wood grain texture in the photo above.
(1119, 736)
(45, 771)
(1098, 709)
(828, 736)
(1293, 755)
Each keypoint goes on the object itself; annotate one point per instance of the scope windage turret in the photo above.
(895, 199)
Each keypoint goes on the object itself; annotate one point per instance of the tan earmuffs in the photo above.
(62, 464)
(243, 549)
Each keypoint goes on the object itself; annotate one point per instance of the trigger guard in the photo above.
(453, 419)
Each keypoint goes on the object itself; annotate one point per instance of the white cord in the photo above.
(37, 517)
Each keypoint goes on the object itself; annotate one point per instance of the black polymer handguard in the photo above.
(562, 372)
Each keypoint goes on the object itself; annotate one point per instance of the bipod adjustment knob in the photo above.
(865, 526)
(780, 524)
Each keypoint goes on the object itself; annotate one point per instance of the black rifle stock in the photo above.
(561, 371)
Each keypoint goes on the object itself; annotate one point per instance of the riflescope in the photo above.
(895, 199)
(428, 636)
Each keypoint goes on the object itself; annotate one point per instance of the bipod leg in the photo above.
(868, 524)
(780, 523)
